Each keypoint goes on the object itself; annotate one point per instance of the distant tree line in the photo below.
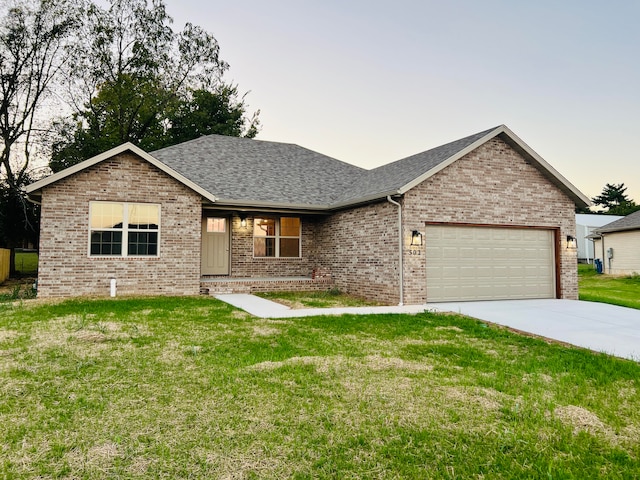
(77, 78)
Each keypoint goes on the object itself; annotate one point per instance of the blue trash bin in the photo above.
(598, 264)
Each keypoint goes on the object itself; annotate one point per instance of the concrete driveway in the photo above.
(597, 326)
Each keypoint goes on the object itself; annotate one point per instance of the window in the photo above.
(276, 237)
(216, 225)
(123, 229)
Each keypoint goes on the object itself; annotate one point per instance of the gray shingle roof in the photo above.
(240, 170)
(630, 222)
(393, 176)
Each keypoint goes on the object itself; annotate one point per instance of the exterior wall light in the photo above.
(416, 238)
(572, 242)
(243, 221)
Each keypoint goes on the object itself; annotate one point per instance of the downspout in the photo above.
(400, 246)
(603, 257)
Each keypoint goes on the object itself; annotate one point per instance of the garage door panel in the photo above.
(485, 263)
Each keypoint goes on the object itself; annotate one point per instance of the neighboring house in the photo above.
(617, 245)
(586, 224)
(480, 218)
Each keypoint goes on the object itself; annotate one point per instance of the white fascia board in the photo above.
(538, 159)
(522, 145)
(441, 166)
(111, 153)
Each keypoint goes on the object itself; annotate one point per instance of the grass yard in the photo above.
(21, 287)
(191, 388)
(27, 263)
(624, 291)
(324, 299)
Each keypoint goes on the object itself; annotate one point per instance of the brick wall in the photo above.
(65, 268)
(243, 264)
(360, 248)
(491, 185)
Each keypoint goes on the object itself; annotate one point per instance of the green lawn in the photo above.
(191, 388)
(624, 291)
(27, 263)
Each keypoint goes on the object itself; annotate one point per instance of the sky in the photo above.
(371, 82)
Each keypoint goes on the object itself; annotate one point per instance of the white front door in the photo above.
(215, 246)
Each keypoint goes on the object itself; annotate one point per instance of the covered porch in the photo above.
(249, 252)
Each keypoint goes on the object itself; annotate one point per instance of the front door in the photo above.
(215, 246)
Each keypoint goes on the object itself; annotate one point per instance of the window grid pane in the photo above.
(264, 227)
(143, 243)
(289, 247)
(264, 247)
(106, 243)
(143, 216)
(216, 225)
(289, 227)
(107, 215)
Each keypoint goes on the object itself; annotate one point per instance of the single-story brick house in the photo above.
(483, 217)
(617, 245)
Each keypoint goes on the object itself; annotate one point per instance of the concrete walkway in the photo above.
(263, 308)
(596, 326)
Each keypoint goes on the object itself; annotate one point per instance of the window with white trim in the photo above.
(276, 237)
(124, 229)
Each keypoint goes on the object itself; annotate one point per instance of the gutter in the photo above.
(401, 263)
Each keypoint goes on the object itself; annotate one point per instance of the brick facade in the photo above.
(355, 250)
(65, 268)
(492, 185)
(360, 248)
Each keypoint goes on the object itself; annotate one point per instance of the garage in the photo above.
(489, 263)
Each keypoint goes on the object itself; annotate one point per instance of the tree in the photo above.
(207, 112)
(201, 112)
(33, 37)
(135, 79)
(615, 200)
(14, 213)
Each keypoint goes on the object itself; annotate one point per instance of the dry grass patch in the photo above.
(580, 419)
(485, 398)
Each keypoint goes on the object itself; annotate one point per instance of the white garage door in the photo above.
(483, 263)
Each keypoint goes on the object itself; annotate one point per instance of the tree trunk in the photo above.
(12, 262)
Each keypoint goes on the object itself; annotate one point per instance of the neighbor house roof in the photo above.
(241, 172)
(630, 222)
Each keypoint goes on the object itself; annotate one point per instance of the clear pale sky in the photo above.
(370, 82)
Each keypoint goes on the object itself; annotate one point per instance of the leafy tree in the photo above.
(612, 195)
(137, 80)
(207, 112)
(615, 200)
(33, 37)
